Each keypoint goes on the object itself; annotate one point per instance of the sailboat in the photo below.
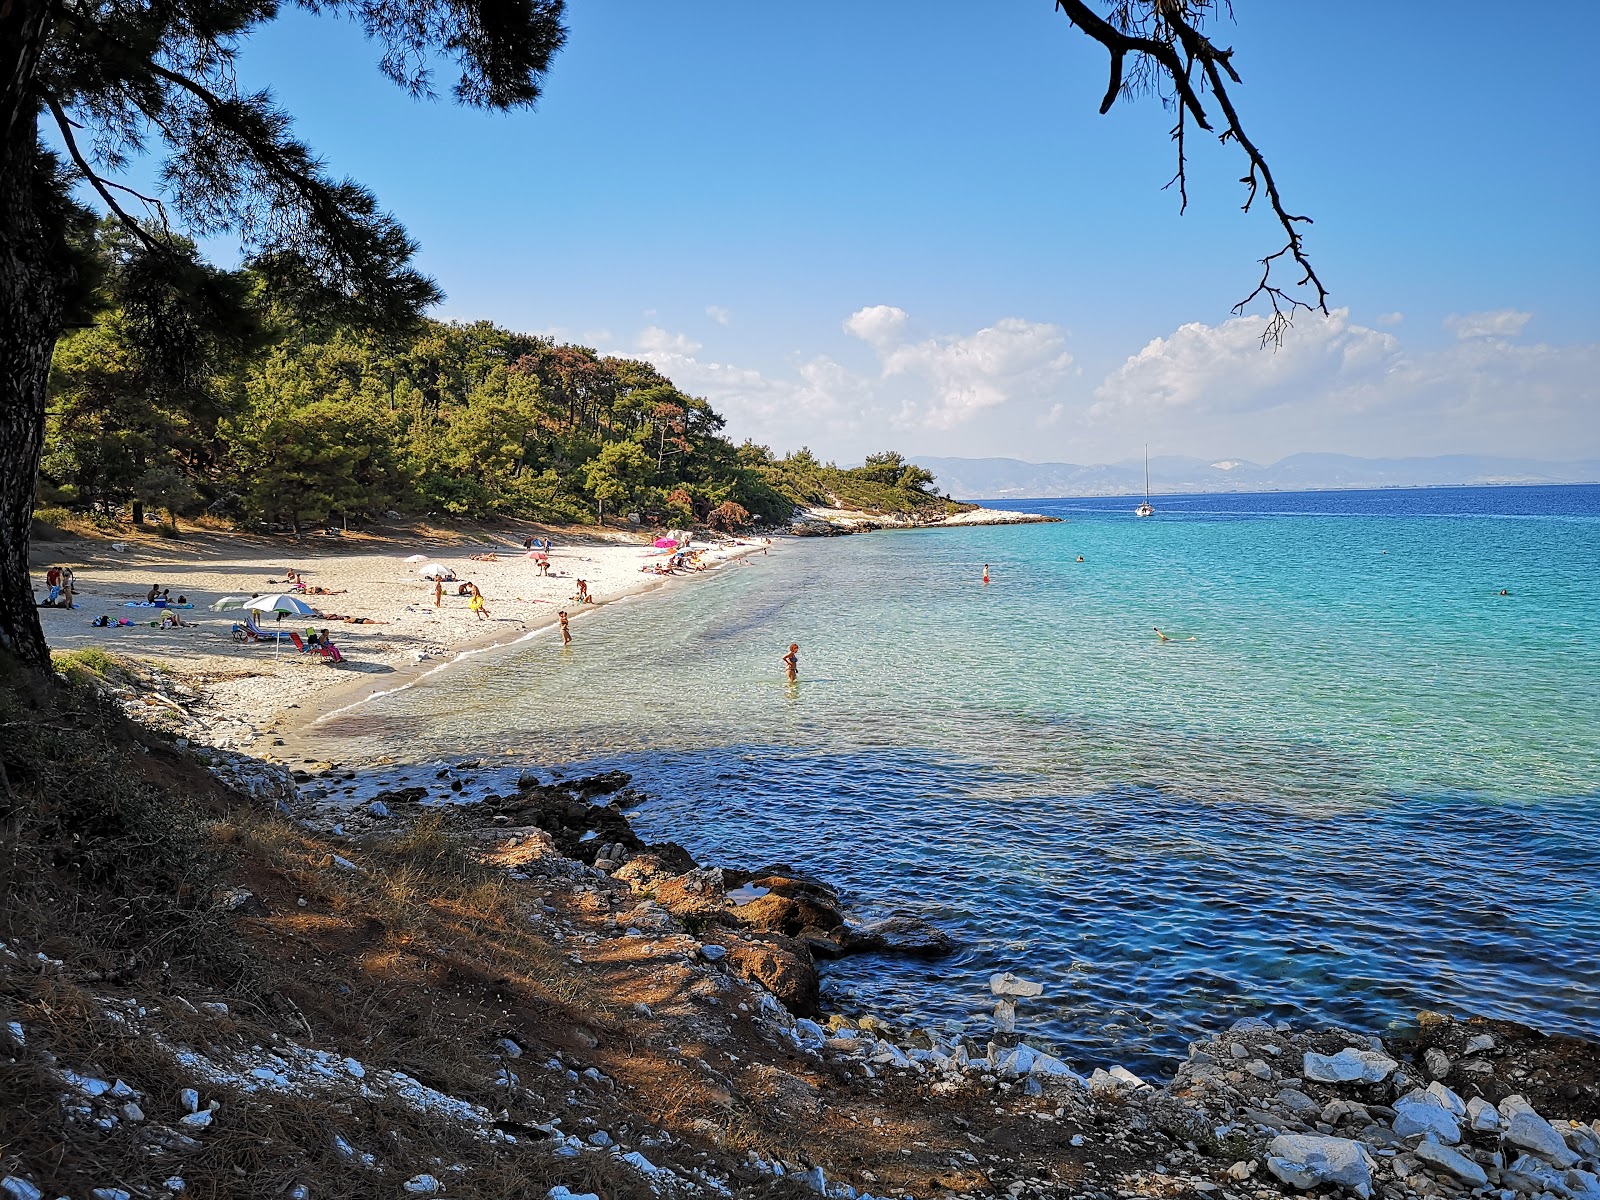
(1146, 509)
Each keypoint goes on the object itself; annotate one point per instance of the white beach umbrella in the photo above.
(434, 571)
(416, 558)
(227, 602)
(280, 603)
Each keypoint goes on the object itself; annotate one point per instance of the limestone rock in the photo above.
(1483, 1117)
(1008, 984)
(1307, 1161)
(1452, 1161)
(1437, 1062)
(1421, 1112)
(1448, 1100)
(1348, 1066)
(1530, 1131)
(1479, 1044)
(697, 893)
(781, 965)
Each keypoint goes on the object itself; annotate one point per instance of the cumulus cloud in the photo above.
(657, 342)
(1501, 323)
(1012, 359)
(1337, 385)
(877, 325)
(718, 314)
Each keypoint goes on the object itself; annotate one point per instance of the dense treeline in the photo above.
(258, 415)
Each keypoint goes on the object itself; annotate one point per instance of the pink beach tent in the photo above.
(667, 543)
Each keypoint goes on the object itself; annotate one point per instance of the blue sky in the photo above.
(893, 224)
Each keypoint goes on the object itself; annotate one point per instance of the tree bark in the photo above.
(31, 288)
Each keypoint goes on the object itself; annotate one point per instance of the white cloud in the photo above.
(877, 325)
(1339, 386)
(1010, 360)
(655, 341)
(718, 314)
(1501, 323)
(1391, 319)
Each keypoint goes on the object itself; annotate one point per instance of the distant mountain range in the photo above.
(1005, 478)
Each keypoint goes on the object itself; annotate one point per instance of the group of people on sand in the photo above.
(467, 588)
(61, 587)
(680, 562)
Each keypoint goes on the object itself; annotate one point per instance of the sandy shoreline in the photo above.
(254, 693)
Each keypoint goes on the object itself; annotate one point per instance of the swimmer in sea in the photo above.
(1080, 558)
(986, 572)
(791, 661)
(1503, 592)
(1161, 635)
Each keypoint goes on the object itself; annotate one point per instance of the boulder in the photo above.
(1436, 1061)
(1306, 1161)
(1452, 1161)
(781, 965)
(790, 905)
(1348, 1066)
(909, 936)
(1421, 1112)
(1530, 1131)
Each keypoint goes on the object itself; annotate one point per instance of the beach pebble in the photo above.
(422, 1185)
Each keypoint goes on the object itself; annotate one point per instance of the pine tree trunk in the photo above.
(31, 277)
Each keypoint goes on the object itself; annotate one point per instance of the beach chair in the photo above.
(330, 652)
(269, 635)
(300, 645)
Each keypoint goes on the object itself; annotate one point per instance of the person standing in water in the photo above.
(566, 633)
(986, 572)
(791, 661)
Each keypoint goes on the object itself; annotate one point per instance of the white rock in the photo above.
(1306, 1161)
(1453, 1161)
(1419, 1112)
(1008, 984)
(1539, 1172)
(560, 1193)
(1127, 1078)
(1258, 1067)
(1479, 1044)
(1005, 1016)
(1482, 1116)
(110, 1193)
(190, 1099)
(1448, 1100)
(509, 1048)
(1348, 1066)
(1582, 1185)
(173, 1183)
(422, 1185)
(1437, 1062)
(1527, 1129)
(14, 1187)
(196, 1120)
(1585, 1142)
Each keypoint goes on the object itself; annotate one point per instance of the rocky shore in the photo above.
(490, 986)
(835, 522)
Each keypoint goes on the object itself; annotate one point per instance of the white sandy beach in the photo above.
(251, 687)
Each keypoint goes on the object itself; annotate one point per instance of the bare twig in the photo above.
(100, 185)
(1218, 72)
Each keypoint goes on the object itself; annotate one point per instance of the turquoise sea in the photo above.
(1357, 782)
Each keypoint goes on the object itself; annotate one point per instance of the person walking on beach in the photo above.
(566, 631)
(791, 661)
(477, 606)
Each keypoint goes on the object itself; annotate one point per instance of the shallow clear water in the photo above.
(1369, 784)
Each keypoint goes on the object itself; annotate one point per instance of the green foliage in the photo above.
(251, 412)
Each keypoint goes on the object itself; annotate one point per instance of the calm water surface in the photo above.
(1357, 782)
